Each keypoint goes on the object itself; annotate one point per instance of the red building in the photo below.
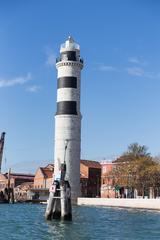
(43, 177)
(15, 179)
(90, 178)
(107, 187)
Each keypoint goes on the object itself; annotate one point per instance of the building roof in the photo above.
(47, 172)
(82, 175)
(25, 186)
(124, 159)
(20, 175)
(91, 164)
(2, 177)
(50, 166)
(108, 163)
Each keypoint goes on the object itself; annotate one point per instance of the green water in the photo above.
(26, 222)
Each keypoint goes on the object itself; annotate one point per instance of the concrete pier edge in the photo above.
(138, 203)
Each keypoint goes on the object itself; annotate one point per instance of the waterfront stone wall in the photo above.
(121, 202)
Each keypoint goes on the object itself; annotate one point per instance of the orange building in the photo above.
(21, 191)
(43, 177)
(90, 180)
(107, 186)
(15, 179)
(42, 183)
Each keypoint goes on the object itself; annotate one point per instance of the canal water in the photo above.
(26, 222)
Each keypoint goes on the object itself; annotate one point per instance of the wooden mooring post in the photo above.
(59, 202)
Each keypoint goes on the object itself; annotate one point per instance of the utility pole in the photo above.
(1, 148)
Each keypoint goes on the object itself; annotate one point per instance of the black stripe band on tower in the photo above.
(66, 107)
(68, 56)
(67, 82)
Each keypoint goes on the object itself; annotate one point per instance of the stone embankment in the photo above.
(153, 204)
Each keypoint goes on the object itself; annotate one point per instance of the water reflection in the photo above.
(106, 223)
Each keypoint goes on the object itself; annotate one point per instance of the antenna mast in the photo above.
(1, 148)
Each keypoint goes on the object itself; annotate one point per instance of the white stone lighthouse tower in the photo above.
(68, 116)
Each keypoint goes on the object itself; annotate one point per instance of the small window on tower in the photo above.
(65, 57)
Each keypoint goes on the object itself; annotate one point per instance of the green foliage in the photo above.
(136, 169)
(134, 151)
(137, 150)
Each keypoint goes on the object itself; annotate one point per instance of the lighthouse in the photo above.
(68, 116)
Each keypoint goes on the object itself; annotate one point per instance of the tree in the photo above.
(137, 150)
(136, 169)
(133, 152)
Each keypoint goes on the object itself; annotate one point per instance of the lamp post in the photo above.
(65, 148)
(129, 185)
(63, 165)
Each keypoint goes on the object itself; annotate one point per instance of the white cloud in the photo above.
(135, 71)
(51, 58)
(152, 75)
(33, 88)
(140, 72)
(15, 81)
(137, 60)
(107, 68)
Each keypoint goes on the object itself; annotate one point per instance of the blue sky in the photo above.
(120, 90)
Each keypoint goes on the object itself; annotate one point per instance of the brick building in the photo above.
(43, 177)
(42, 183)
(90, 178)
(107, 186)
(15, 179)
(21, 191)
